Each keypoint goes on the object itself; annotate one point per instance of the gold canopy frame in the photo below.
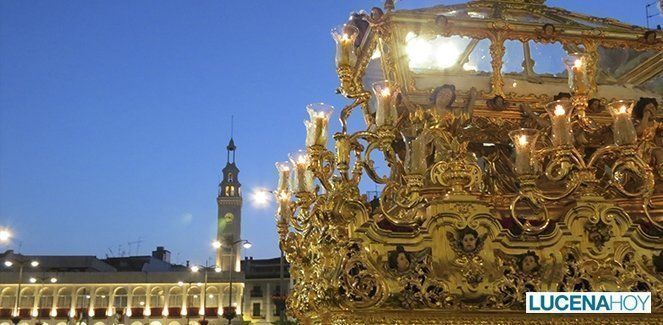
(489, 193)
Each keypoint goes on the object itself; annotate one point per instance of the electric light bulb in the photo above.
(522, 140)
(261, 197)
(559, 110)
(5, 235)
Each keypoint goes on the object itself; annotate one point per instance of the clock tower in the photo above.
(229, 202)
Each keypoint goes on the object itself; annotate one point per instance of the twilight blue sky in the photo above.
(114, 115)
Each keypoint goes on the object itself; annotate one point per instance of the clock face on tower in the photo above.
(229, 217)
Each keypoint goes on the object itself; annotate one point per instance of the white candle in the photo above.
(560, 117)
(524, 141)
(622, 127)
(576, 65)
(344, 37)
(303, 178)
(283, 198)
(318, 125)
(284, 169)
(385, 95)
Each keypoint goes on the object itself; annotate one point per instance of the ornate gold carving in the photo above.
(455, 235)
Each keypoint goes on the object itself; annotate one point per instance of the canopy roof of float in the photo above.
(512, 49)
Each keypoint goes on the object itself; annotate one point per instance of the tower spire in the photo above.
(231, 144)
(229, 203)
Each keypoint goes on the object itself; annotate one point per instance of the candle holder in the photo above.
(560, 118)
(345, 36)
(284, 168)
(576, 65)
(343, 147)
(386, 94)
(416, 156)
(524, 141)
(317, 128)
(622, 126)
(283, 198)
(302, 180)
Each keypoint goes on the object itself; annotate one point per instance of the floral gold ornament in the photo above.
(477, 202)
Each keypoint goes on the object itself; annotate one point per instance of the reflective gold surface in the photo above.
(457, 235)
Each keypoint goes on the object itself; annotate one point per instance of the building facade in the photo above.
(60, 290)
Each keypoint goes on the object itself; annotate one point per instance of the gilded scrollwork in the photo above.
(470, 211)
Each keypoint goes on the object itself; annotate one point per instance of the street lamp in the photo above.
(5, 235)
(20, 261)
(230, 312)
(41, 280)
(262, 200)
(261, 197)
(203, 307)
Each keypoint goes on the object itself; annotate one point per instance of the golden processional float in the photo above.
(523, 154)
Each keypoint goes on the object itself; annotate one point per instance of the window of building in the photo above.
(64, 299)
(256, 309)
(46, 299)
(156, 298)
(8, 298)
(139, 298)
(194, 298)
(82, 298)
(121, 298)
(175, 299)
(256, 292)
(27, 299)
(101, 298)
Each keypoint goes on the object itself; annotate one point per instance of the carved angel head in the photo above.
(529, 262)
(466, 241)
(399, 260)
(443, 96)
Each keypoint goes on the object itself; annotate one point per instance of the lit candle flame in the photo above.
(559, 110)
(302, 160)
(345, 37)
(522, 140)
(283, 196)
(385, 92)
(622, 109)
(577, 64)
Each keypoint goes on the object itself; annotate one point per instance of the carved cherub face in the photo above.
(402, 262)
(548, 29)
(376, 13)
(443, 98)
(469, 243)
(529, 264)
